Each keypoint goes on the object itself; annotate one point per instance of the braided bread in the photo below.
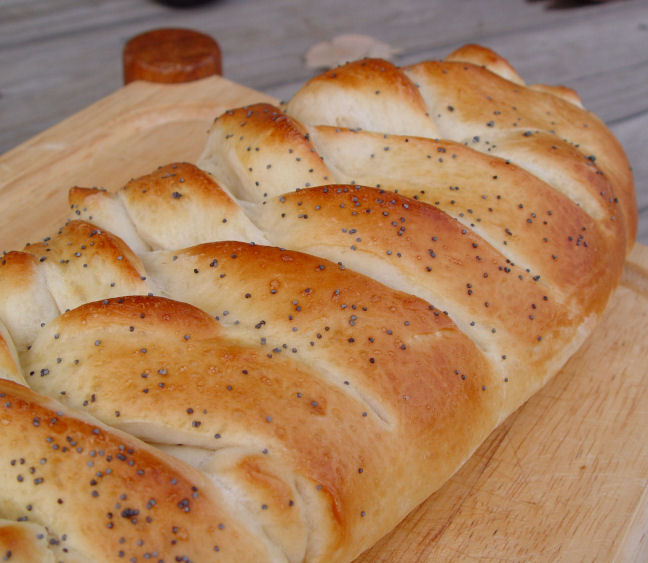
(277, 353)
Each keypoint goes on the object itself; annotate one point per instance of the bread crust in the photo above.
(24, 542)
(484, 104)
(301, 414)
(292, 344)
(252, 173)
(103, 494)
(370, 94)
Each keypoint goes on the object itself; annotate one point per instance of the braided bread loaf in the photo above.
(278, 353)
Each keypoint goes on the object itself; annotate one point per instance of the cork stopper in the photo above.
(171, 56)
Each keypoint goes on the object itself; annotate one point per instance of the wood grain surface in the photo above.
(564, 478)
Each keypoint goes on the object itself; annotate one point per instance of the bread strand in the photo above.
(101, 494)
(24, 542)
(469, 102)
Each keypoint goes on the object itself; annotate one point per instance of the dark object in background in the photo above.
(568, 4)
(171, 55)
(183, 3)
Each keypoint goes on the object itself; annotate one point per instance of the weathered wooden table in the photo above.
(566, 476)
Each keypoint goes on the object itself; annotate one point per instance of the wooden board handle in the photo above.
(171, 55)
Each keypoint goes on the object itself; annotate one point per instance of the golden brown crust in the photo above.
(179, 205)
(469, 101)
(566, 169)
(24, 542)
(236, 153)
(79, 264)
(83, 263)
(371, 94)
(487, 58)
(473, 95)
(302, 305)
(175, 206)
(103, 494)
(254, 393)
(312, 405)
(104, 209)
(522, 323)
(568, 94)
(526, 220)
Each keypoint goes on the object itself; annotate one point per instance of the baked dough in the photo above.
(312, 329)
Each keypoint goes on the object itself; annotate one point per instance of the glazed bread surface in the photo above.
(278, 352)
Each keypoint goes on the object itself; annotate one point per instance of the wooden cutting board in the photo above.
(563, 478)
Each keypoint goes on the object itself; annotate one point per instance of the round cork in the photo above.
(171, 56)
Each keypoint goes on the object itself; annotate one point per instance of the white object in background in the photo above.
(344, 48)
